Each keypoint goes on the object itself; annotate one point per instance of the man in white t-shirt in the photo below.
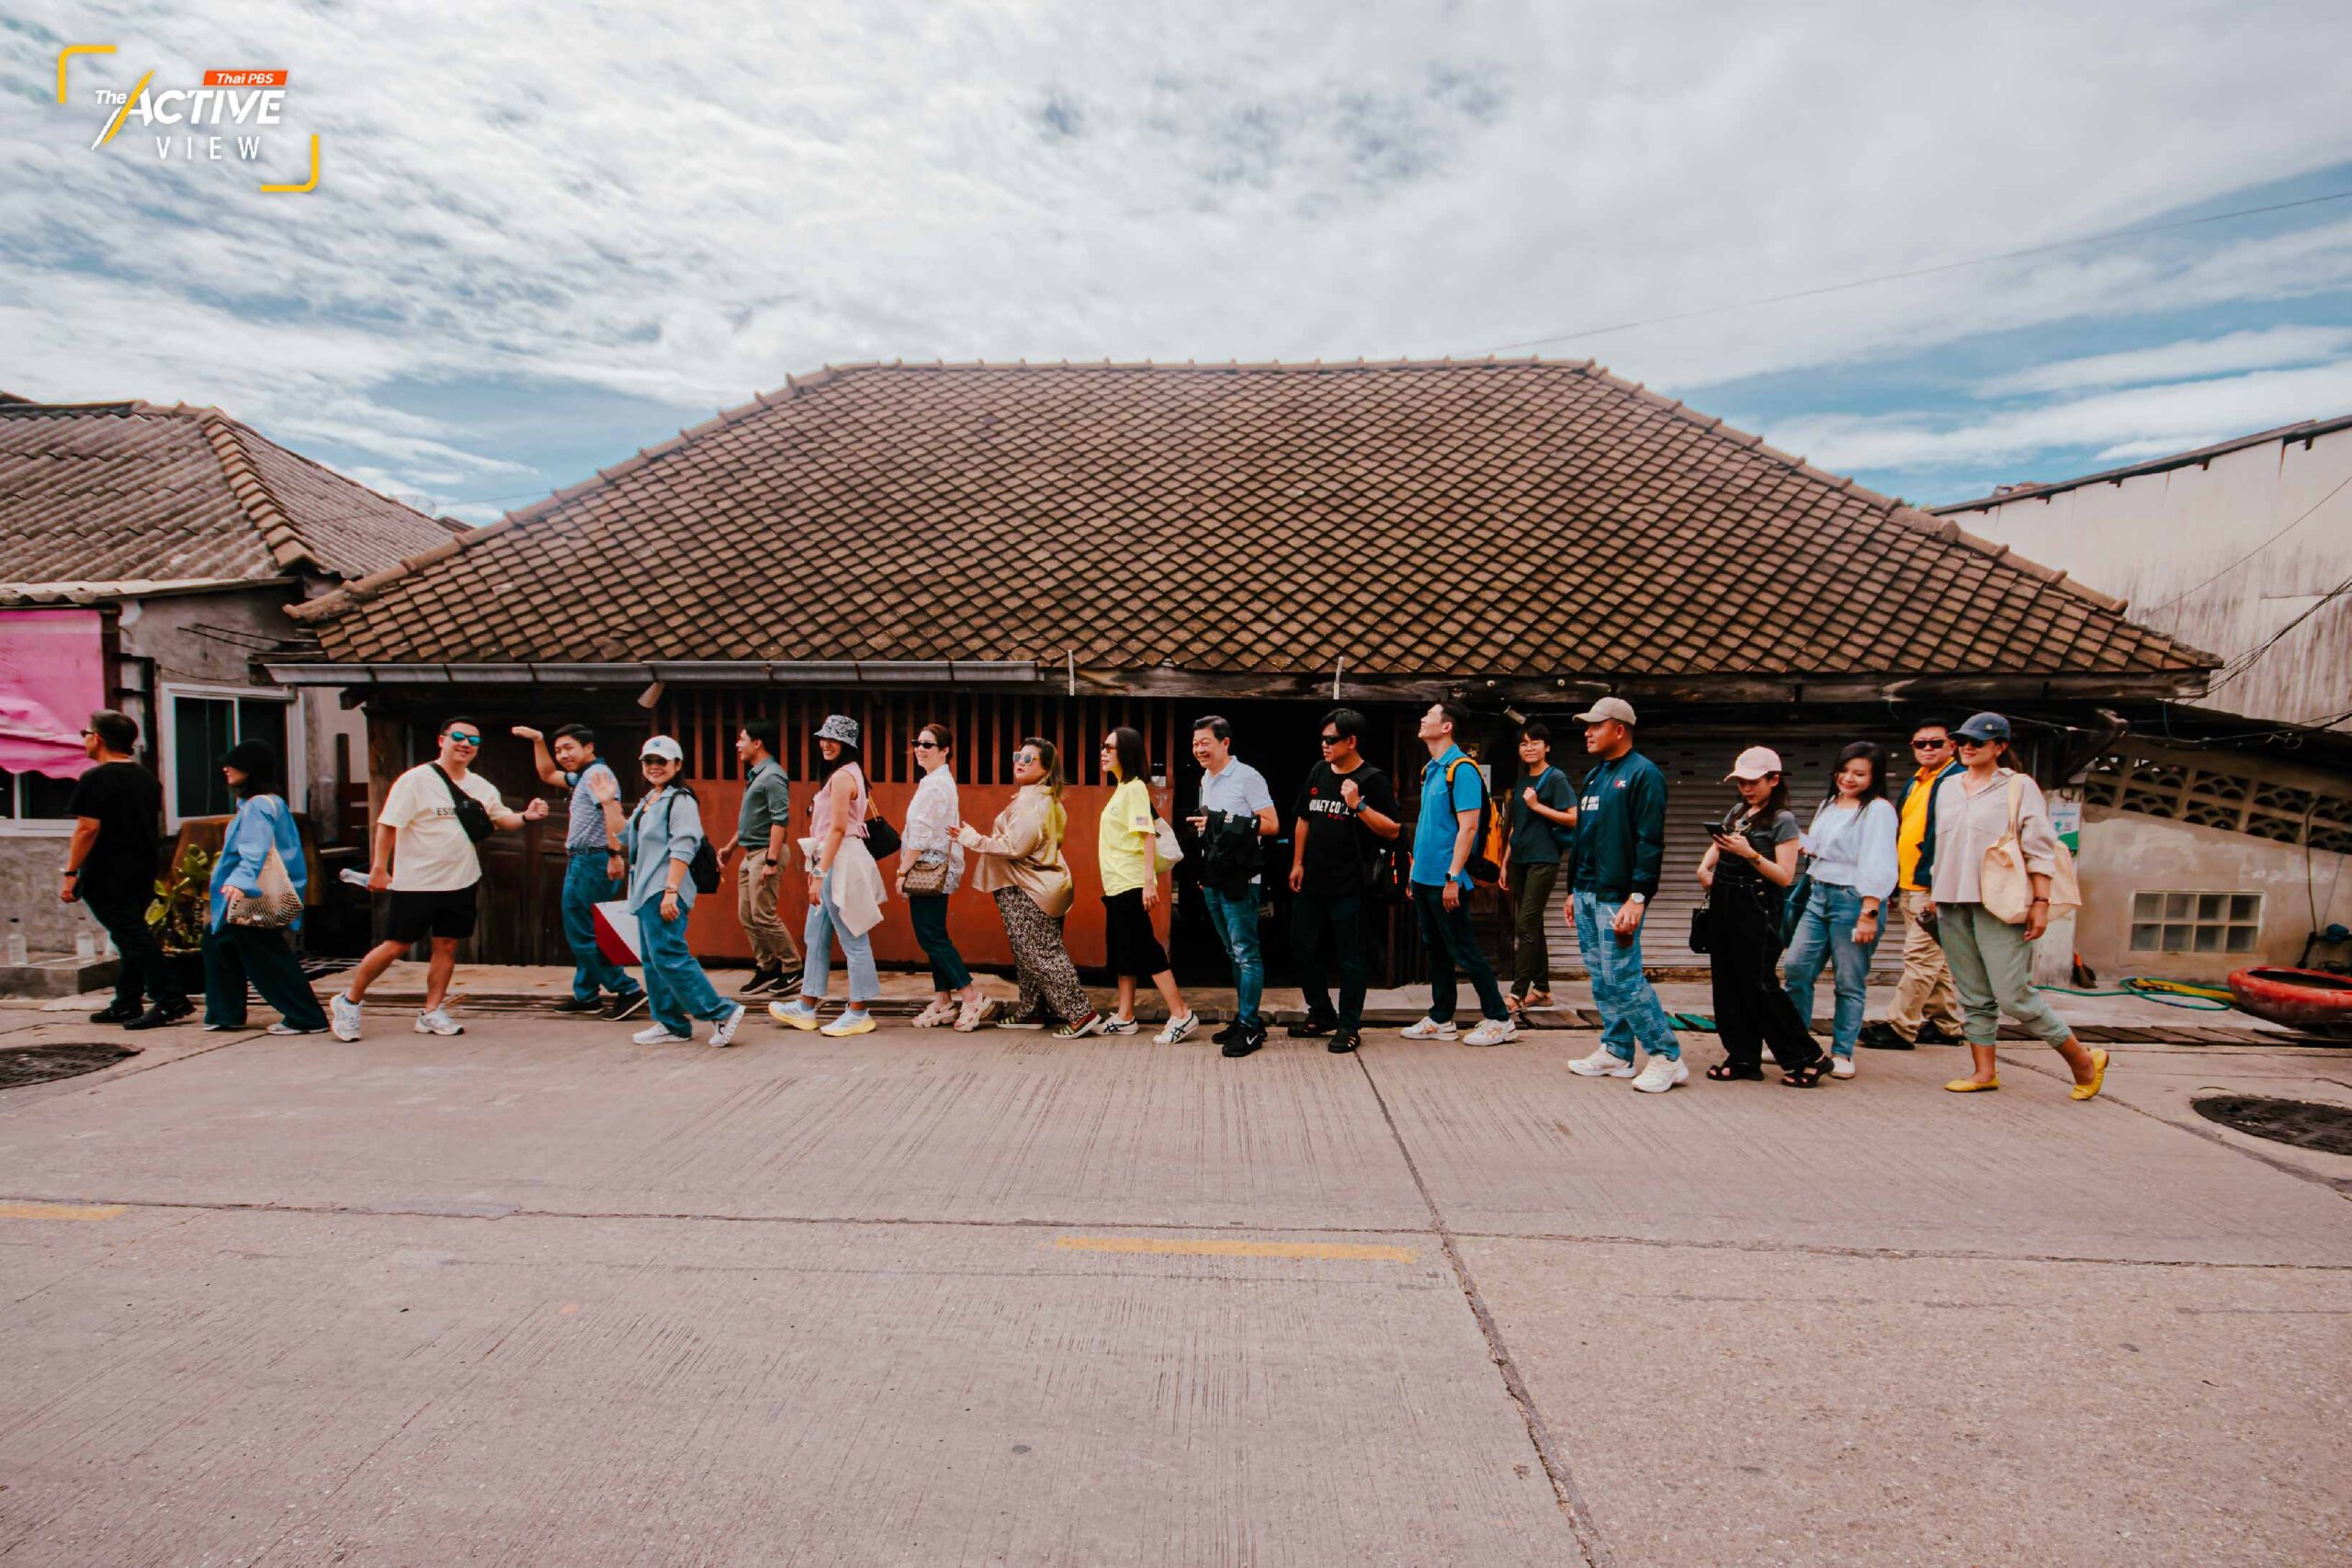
(425, 858)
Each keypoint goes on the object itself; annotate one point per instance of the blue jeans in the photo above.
(928, 912)
(674, 984)
(817, 951)
(585, 886)
(1825, 932)
(1236, 920)
(1448, 943)
(1629, 1010)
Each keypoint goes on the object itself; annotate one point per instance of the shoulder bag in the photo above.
(472, 815)
(2004, 886)
(275, 904)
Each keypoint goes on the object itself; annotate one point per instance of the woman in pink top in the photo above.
(836, 828)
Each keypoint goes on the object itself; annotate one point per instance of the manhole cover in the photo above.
(2302, 1123)
(39, 1064)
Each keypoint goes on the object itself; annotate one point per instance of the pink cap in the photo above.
(1753, 763)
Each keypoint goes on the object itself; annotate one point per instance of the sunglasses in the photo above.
(458, 740)
(1025, 756)
(1330, 740)
(1965, 744)
(926, 745)
(1929, 745)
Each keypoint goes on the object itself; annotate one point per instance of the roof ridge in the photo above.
(284, 542)
(2306, 431)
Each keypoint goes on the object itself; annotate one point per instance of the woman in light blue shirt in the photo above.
(1853, 845)
(660, 839)
(236, 953)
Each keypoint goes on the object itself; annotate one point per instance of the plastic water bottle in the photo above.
(85, 946)
(19, 954)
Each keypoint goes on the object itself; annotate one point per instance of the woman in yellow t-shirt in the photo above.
(1127, 854)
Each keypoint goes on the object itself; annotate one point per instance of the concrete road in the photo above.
(539, 1295)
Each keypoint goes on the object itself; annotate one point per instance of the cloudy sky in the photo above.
(545, 236)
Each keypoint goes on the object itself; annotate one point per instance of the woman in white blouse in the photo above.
(1991, 960)
(1853, 845)
(928, 845)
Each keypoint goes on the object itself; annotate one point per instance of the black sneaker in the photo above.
(761, 980)
(1345, 1042)
(573, 1004)
(1881, 1037)
(164, 1014)
(624, 1006)
(1930, 1035)
(1313, 1028)
(118, 1013)
(1245, 1041)
(1228, 1034)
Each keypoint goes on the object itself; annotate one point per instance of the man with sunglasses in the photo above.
(1345, 808)
(426, 859)
(1927, 1009)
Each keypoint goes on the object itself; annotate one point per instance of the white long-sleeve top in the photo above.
(932, 819)
(1855, 849)
(1970, 821)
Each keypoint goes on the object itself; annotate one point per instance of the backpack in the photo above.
(703, 869)
(1485, 865)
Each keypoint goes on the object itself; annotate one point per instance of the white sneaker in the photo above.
(1430, 1029)
(722, 1033)
(1842, 1067)
(1177, 1030)
(1601, 1065)
(438, 1021)
(343, 1017)
(1492, 1031)
(856, 1021)
(1660, 1075)
(660, 1035)
(1114, 1024)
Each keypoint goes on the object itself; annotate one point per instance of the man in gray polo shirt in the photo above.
(762, 840)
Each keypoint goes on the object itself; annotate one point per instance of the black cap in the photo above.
(255, 760)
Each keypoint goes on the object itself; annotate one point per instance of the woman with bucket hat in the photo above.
(1987, 938)
(845, 889)
(246, 940)
(660, 838)
(1747, 871)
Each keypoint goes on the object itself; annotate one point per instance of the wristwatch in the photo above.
(1637, 897)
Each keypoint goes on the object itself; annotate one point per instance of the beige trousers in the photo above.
(1925, 994)
(771, 943)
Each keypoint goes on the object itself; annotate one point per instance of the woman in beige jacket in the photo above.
(1019, 864)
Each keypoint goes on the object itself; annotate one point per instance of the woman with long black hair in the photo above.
(236, 952)
(1853, 845)
(1747, 871)
(1128, 858)
(844, 889)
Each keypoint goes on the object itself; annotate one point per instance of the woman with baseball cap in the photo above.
(1991, 959)
(660, 840)
(1746, 872)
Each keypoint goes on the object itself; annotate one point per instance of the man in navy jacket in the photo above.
(1621, 845)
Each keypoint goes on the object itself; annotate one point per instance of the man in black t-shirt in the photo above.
(1346, 808)
(110, 866)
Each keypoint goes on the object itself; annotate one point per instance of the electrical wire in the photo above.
(2257, 549)
(2107, 237)
(2248, 659)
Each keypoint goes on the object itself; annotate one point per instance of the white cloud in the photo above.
(2123, 426)
(687, 203)
(2262, 350)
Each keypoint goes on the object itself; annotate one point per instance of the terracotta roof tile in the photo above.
(1431, 517)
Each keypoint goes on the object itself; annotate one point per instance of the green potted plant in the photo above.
(182, 909)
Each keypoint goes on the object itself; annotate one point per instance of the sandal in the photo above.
(1809, 1075)
(1728, 1072)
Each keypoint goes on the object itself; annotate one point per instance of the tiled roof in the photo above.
(1498, 517)
(139, 492)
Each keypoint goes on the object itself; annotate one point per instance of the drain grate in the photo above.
(39, 1064)
(2302, 1122)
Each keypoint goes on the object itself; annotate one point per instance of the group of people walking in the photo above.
(1784, 899)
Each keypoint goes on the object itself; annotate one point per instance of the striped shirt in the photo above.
(585, 829)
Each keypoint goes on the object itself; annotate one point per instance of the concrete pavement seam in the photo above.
(1539, 1433)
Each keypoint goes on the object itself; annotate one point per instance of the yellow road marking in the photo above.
(61, 1211)
(1172, 1246)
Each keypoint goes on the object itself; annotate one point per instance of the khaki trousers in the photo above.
(1924, 995)
(771, 943)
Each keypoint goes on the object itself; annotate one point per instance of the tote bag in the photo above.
(275, 905)
(2003, 884)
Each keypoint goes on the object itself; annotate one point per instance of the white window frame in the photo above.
(295, 765)
(15, 826)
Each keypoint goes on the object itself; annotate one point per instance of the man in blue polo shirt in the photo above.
(1444, 838)
(592, 840)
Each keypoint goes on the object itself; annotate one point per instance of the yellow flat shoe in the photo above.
(2099, 1077)
(1969, 1085)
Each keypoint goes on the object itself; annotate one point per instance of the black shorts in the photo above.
(413, 917)
(1134, 948)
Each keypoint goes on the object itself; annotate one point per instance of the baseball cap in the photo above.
(1607, 708)
(662, 746)
(1983, 727)
(1753, 763)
